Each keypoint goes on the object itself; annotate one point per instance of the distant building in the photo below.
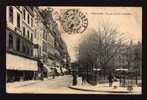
(62, 58)
(129, 57)
(45, 49)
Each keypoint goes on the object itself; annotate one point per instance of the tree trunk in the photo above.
(104, 73)
(136, 78)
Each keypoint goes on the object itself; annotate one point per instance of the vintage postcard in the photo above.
(73, 50)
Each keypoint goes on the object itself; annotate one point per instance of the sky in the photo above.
(128, 20)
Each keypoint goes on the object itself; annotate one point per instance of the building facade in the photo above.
(45, 50)
(20, 63)
(33, 47)
(129, 57)
(62, 57)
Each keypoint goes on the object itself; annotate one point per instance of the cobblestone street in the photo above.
(63, 85)
(39, 86)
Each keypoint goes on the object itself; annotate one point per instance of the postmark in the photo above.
(74, 21)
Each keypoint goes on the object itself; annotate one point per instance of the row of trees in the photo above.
(99, 49)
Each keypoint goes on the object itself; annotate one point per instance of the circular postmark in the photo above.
(74, 21)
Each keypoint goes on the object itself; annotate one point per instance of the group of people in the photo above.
(54, 72)
(84, 78)
(122, 80)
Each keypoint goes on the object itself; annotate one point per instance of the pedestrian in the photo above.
(124, 81)
(74, 79)
(83, 78)
(53, 73)
(110, 78)
(56, 72)
(120, 80)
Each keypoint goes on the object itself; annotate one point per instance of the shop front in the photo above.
(20, 68)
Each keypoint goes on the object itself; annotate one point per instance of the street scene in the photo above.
(73, 50)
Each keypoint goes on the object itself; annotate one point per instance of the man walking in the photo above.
(110, 78)
(83, 78)
(74, 79)
(53, 73)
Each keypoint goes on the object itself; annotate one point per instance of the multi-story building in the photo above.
(138, 57)
(38, 33)
(129, 57)
(45, 43)
(20, 63)
(33, 48)
(63, 59)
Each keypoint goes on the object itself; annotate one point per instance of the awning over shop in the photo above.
(14, 62)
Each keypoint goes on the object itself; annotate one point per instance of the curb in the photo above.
(27, 84)
(90, 90)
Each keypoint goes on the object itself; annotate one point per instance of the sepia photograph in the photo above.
(73, 50)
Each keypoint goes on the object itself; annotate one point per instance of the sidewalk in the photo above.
(105, 88)
(48, 85)
(22, 83)
(27, 82)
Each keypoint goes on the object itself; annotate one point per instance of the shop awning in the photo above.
(14, 62)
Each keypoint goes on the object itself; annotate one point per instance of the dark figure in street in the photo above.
(110, 78)
(83, 78)
(124, 80)
(53, 73)
(74, 79)
(120, 80)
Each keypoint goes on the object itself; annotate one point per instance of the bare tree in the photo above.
(137, 59)
(98, 48)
